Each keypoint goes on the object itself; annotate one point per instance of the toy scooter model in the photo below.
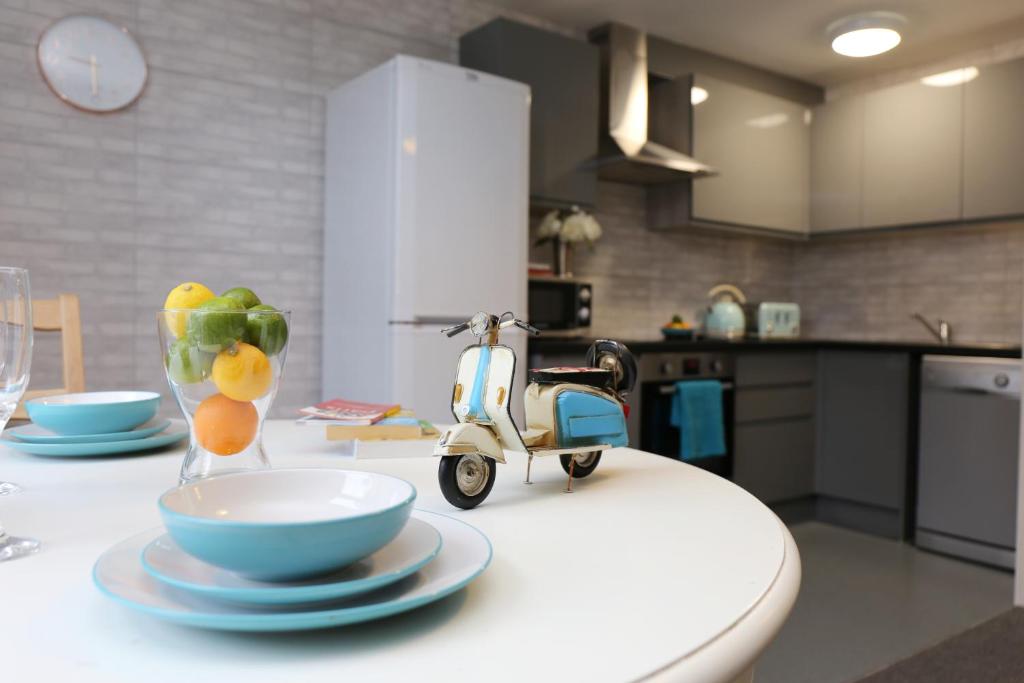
(574, 413)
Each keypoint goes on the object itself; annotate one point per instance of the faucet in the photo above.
(944, 332)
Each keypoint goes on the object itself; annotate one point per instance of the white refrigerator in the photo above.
(425, 223)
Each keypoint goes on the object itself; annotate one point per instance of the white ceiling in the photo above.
(788, 36)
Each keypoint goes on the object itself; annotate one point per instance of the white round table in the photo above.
(651, 569)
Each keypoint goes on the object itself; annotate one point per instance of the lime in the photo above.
(187, 363)
(245, 296)
(267, 330)
(217, 324)
(185, 295)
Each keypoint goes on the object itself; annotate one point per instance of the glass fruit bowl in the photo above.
(223, 365)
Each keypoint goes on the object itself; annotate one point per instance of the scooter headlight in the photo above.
(480, 324)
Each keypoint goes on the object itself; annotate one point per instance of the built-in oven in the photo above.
(652, 415)
(561, 305)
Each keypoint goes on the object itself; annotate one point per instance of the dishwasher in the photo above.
(967, 457)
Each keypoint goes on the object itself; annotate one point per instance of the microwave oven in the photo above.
(560, 304)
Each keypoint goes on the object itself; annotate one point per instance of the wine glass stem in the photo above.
(8, 487)
(11, 547)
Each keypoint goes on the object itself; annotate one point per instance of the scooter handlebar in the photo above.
(520, 324)
(456, 329)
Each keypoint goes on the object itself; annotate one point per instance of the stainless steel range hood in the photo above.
(627, 154)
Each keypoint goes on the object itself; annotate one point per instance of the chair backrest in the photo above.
(59, 315)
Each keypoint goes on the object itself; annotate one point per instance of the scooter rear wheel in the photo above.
(585, 463)
(466, 480)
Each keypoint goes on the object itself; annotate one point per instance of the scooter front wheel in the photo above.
(584, 465)
(466, 480)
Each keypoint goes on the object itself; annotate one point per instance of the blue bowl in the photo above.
(94, 412)
(282, 525)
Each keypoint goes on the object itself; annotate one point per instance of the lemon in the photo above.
(185, 295)
(242, 372)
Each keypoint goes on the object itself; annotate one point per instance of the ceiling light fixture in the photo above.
(949, 78)
(697, 95)
(866, 35)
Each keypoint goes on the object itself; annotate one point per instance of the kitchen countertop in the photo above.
(612, 583)
(542, 344)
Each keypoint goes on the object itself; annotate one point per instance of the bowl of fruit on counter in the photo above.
(223, 356)
(678, 328)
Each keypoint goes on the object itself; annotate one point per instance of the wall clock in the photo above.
(91, 63)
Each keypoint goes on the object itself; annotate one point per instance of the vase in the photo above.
(563, 258)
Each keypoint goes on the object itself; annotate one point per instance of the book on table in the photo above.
(398, 427)
(351, 413)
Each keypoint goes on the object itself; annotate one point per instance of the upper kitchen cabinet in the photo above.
(563, 75)
(994, 141)
(760, 145)
(913, 155)
(837, 164)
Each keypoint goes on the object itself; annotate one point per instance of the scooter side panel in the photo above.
(583, 419)
(465, 380)
(500, 377)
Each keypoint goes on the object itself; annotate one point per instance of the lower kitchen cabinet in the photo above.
(774, 460)
(773, 430)
(862, 435)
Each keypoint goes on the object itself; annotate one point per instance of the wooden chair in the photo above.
(59, 315)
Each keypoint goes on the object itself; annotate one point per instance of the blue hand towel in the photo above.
(697, 411)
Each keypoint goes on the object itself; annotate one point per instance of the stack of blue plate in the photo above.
(284, 550)
(94, 423)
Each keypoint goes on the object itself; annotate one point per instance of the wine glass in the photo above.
(15, 359)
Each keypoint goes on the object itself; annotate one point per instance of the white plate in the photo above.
(416, 545)
(34, 433)
(465, 553)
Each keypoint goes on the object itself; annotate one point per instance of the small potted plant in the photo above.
(565, 228)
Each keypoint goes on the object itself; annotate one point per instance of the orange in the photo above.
(242, 372)
(224, 426)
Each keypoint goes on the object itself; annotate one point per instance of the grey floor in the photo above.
(866, 602)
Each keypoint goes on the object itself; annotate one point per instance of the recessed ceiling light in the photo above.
(866, 35)
(954, 77)
(697, 95)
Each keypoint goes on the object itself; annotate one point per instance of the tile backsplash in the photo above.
(849, 287)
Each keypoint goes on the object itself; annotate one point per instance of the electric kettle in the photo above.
(724, 318)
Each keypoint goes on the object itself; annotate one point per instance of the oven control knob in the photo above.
(584, 314)
(1002, 380)
(667, 368)
(584, 294)
(716, 366)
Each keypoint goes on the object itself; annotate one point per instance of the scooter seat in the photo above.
(591, 377)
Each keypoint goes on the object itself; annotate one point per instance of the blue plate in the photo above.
(465, 553)
(178, 431)
(33, 433)
(416, 545)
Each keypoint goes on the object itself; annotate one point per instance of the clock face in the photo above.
(92, 63)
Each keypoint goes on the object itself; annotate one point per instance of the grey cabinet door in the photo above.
(862, 426)
(912, 154)
(837, 164)
(760, 145)
(775, 460)
(563, 75)
(994, 141)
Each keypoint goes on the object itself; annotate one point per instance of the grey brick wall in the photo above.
(215, 175)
